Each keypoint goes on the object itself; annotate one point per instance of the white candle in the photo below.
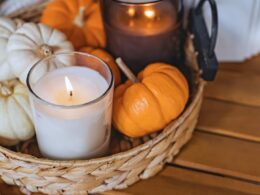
(67, 128)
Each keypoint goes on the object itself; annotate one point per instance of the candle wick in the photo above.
(71, 94)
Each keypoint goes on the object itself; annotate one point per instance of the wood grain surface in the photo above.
(222, 155)
(236, 87)
(230, 119)
(174, 180)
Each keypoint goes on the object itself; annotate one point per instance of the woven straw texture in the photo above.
(132, 160)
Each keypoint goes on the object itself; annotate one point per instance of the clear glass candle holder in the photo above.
(71, 98)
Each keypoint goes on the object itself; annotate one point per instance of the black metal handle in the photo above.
(214, 23)
(180, 10)
(203, 43)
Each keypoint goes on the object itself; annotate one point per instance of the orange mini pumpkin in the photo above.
(150, 104)
(80, 20)
(107, 58)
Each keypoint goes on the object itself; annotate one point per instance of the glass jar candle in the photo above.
(143, 31)
(71, 98)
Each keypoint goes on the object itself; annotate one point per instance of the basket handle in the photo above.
(203, 43)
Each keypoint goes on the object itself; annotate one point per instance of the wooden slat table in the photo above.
(223, 157)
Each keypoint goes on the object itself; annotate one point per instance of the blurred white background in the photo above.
(239, 28)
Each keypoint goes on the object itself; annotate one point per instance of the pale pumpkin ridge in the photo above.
(4, 110)
(54, 64)
(22, 107)
(125, 110)
(10, 118)
(51, 34)
(7, 23)
(38, 32)
(157, 102)
(21, 43)
(41, 33)
(25, 118)
(4, 35)
(25, 97)
(22, 50)
(23, 36)
(21, 94)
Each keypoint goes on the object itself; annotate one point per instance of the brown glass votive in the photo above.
(143, 31)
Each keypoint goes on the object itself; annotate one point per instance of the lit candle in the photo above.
(138, 27)
(72, 113)
(69, 87)
(149, 13)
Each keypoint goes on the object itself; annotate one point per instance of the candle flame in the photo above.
(149, 13)
(68, 86)
(131, 11)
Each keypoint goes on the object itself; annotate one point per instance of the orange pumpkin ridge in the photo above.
(173, 79)
(80, 20)
(176, 99)
(155, 99)
(166, 69)
(141, 120)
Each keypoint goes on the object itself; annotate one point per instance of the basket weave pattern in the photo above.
(117, 171)
(98, 175)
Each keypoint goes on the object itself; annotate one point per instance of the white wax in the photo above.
(72, 132)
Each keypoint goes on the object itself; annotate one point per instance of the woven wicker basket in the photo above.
(132, 159)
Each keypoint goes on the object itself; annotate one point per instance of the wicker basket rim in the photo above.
(117, 156)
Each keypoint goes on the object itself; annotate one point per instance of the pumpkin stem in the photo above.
(5, 91)
(79, 19)
(46, 50)
(129, 74)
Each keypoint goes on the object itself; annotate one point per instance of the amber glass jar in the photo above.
(143, 31)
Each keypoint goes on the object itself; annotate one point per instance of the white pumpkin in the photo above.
(33, 42)
(7, 28)
(15, 113)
